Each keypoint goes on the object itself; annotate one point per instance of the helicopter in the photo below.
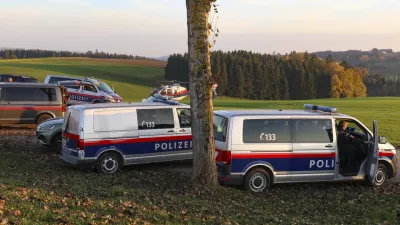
(175, 91)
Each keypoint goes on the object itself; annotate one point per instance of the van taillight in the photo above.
(63, 108)
(224, 157)
(80, 145)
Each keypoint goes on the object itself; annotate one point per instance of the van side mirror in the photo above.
(382, 140)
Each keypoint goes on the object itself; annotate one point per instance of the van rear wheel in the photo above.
(108, 163)
(43, 117)
(257, 180)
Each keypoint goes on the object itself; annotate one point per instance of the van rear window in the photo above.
(54, 80)
(267, 131)
(45, 94)
(220, 127)
(115, 120)
(73, 122)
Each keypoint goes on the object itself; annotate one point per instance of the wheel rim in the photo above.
(258, 182)
(109, 164)
(380, 177)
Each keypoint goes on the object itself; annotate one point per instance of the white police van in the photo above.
(111, 135)
(85, 92)
(258, 148)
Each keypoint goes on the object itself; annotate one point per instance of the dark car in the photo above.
(49, 132)
(17, 79)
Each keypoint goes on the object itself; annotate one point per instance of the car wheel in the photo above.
(381, 175)
(257, 180)
(57, 141)
(96, 101)
(43, 117)
(108, 163)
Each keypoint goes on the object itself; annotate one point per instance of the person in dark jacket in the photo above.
(349, 145)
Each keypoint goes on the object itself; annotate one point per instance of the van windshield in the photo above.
(220, 125)
(104, 87)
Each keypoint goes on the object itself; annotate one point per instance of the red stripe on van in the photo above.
(138, 140)
(387, 154)
(71, 136)
(283, 155)
(37, 108)
(86, 95)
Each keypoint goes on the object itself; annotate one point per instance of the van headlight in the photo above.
(108, 97)
(51, 127)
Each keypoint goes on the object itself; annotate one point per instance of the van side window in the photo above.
(45, 94)
(89, 87)
(220, 125)
(19, 94)
(184, 116)
(266, 131)
(155, 119)
(312, 131)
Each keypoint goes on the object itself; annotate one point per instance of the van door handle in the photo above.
(171, 131)
(328, 146)
(182, 130)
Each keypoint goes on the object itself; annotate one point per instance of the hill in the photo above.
(132, 79)
(377, 61)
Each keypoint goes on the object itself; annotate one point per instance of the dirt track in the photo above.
(13, 135)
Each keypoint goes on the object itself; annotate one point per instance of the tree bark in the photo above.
(204, 168)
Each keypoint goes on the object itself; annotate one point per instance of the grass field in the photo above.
(133, 80)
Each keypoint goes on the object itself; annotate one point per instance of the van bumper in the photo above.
(395, 163)
(76, 162)
(232, 179)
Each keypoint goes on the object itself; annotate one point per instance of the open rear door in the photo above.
(372, 158)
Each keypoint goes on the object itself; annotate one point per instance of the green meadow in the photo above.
(134, 79)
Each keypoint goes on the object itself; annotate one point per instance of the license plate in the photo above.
(67, 151)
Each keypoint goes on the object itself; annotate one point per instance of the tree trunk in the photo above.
(204, 167)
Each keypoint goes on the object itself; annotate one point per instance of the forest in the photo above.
(293, 76)
(38, 53)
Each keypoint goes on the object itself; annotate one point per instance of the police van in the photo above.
(258, 148)
(84, 92)
(99, 85)
(110, 136)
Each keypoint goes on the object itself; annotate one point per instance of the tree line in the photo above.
(293, 76)
(38, 53)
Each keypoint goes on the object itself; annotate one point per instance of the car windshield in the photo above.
(104, 87)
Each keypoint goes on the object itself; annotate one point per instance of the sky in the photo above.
(159, 27)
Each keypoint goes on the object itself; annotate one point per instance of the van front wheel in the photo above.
(108, 163)
(381, 175)
(257, 180)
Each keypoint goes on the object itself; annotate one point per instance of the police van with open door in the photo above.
(110, 136)
(258, 148)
